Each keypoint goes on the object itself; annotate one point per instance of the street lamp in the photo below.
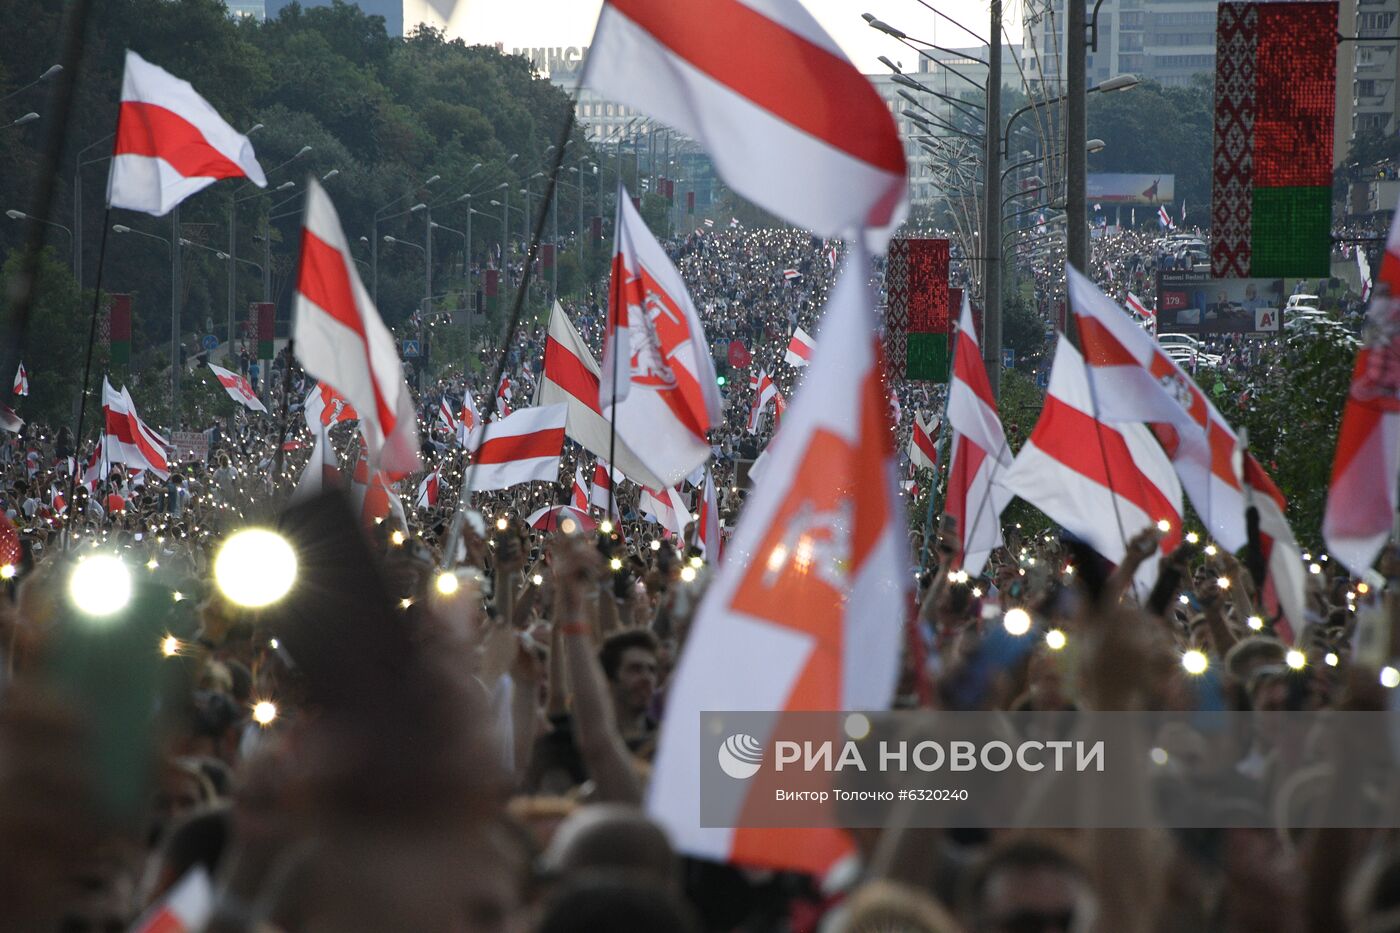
(29, 117)
(72, 243)
(52, 70)
(1121, 82)
(234, 201)
(374, 238)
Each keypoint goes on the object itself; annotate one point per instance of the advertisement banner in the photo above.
(1192, 303)
(1118, 188)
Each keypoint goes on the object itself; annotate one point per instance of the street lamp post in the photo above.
(1076, 208)
(374, 238)
(72, 243)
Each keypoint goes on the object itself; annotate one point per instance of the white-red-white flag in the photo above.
(667, 507)
(446, 419)
(578, 496)
(129, 440)
(570, 377)
(656, 361)
(427, 496)
(979, 451)
(742, 78)
(186, 908)
(322, 470)
(238, 389)
(1361, 501)
(503, 397)
(1133, 380)
(1102, 482)
(340, 339)
(605, 483)
(521, 448)
(765, 391)
(790, 274)
(807, 610)
(374, 494)
(1283, 593)
(923, 442)
(1143, 314)
(325, 407)
(170, 143)
(21, 386)
(799, 351)
(707, 526)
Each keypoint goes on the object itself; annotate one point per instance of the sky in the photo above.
(550, 23)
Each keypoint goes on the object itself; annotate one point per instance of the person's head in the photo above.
(883, 906)
(1250, 654)
(614, 838)
(607, 903)
(1028, 885)
(629, 661)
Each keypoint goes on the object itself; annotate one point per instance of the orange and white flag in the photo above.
(806, 610)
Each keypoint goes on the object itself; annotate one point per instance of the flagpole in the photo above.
(454, 533)
(282, 415)
(87, 375)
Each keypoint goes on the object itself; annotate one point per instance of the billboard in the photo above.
(1113, 188)
(916, 309)
(1193, 303)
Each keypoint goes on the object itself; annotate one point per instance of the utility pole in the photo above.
(175, 319)
(991, 193)
(428, 261)
(1076, 137)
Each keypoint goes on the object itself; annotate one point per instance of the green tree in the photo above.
(57, 345)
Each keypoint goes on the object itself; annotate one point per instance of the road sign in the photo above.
(1042, 379)
(412, 348)
(209, 342)
(1008, 358)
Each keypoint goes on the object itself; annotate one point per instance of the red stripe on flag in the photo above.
(325, 282)
(1100, 347)
(151, 130)
(1068, 435)
(774, 68)
(547, 443)
(567, 371)
(925, 444)
(969, 369)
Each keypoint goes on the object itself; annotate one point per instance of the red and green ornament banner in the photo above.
(1275, 99)
(916, 309)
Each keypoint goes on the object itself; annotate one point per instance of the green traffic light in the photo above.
(720, 379)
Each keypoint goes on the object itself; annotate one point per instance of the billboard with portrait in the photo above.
(1192, 303)
(1119, 188)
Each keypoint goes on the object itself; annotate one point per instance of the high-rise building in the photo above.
(1368, 72)
(1167, 41)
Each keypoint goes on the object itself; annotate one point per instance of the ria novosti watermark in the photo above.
(1089, 769)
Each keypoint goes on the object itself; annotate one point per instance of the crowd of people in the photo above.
(392, 753)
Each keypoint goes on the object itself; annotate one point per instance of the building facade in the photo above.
(1368, 72)
(1171, 42)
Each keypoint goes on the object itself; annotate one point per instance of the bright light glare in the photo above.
(615, 563)
(1017, 621)
(7, 572)
(1195, 662)
(656, 545)
(1055, 639)
(1164, 526)
(1255, 623)
(502, 523)
(100, 585)
(697, 562)
(170, 646)
(1330, 659)
(1211, 550)
(688, 574)
(606, 527)
(1314, 568)
(447, 583)
(1192, 538)
(537, 579)
(1390, 678)
(1223, 582)
(396, 538)
(264, 712)
(255, 567)
(1295, 659)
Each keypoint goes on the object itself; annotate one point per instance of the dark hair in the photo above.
(603, 902)
(1024, 853)
(199, 839)
(614, 646)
